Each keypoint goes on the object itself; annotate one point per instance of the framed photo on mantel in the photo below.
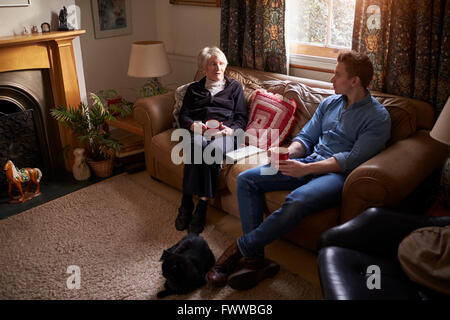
(204, 3)
(14, 3)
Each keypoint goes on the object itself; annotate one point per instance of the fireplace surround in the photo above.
(38, 72)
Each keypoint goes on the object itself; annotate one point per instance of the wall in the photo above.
(185, 30)
(106, 60)
(14, 19)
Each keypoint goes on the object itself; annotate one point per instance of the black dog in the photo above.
(185, 265)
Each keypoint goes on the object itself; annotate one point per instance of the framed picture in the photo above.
(205, 3)
(112, 18)
(14, 3)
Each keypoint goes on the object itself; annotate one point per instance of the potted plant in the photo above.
(117, 105)
(89, 124)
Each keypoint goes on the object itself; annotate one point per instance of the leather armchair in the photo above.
(372, 238)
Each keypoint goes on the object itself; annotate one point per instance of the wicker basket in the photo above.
(102, 169)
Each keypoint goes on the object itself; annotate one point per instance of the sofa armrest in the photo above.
(155, 113)
(378, 231)
(390, 176)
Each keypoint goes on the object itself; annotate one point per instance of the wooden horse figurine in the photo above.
(17, 177)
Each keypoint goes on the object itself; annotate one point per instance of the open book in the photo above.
(241, 153)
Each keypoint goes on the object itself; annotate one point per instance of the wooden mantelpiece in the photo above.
(52, 51)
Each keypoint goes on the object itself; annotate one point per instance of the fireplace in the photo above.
(28, 137)
(37, 72)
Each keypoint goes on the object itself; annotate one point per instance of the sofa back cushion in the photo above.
(180, 92)
(407, 115)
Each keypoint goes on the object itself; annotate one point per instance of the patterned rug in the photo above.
(104, 242)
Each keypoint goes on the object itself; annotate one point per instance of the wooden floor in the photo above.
(293, 258)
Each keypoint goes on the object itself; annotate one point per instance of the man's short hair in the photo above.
(357, 64)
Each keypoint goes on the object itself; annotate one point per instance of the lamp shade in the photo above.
(148, 59)
(441, 129)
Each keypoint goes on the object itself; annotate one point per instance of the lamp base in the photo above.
(152, 88)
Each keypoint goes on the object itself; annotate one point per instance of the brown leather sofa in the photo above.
(383, 181)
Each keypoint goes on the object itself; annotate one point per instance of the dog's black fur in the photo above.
(185, 265)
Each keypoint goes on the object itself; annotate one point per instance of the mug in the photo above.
(213, 124)
(279, 153)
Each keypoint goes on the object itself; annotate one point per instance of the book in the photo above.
(242, 153)
(131, 143)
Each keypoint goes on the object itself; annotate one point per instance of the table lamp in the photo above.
(441, 133)
(148, 59)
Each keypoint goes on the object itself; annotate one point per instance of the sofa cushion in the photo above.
(307, 99)
(403, 115)
(161, 148)
(271, 118)
(249, 83)
(180, 92)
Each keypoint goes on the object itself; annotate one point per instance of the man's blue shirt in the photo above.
(352, 135)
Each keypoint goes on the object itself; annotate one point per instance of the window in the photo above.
(319, 27)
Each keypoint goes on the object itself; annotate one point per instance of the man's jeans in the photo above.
(310, 194)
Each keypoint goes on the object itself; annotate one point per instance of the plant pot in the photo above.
(103, 168)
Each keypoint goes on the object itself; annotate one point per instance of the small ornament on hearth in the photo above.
(15, 179)
(45, 27)
(63, 25)
(34, 29)
(80, 168)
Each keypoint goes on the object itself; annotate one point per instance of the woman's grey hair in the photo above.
(209, 52)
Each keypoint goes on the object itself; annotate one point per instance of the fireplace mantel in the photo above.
(52, 51)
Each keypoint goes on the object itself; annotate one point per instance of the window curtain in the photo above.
(252, 34)
(408, 43)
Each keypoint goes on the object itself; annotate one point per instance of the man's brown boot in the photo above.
(251, 272)
(224, 266)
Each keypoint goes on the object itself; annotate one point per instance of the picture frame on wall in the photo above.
(14, 3)
(112, 18)
(204, 3)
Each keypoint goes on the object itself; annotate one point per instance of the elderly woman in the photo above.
(213, 97)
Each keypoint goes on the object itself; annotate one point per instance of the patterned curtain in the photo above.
(409, 44)
(252, 34)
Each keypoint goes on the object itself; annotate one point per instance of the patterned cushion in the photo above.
(270, 119)
(180, 92)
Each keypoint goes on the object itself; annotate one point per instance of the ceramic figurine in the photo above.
(45, 27)
(17, 177)
(80, 168)
(63, 25)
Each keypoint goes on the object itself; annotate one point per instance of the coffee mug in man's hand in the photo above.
(278, 153)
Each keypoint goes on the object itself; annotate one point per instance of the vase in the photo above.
(103, 168)
(80, 168)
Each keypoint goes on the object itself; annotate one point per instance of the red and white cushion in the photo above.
(271, 118)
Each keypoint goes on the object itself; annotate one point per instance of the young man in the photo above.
(346, 130)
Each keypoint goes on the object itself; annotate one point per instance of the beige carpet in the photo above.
(115, 231)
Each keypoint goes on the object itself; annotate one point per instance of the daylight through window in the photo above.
(319, 27)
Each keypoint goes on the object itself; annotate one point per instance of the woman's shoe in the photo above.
(184, 213)
(183, 219)
(199, 219)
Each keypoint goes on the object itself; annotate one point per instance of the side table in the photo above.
(131, 157)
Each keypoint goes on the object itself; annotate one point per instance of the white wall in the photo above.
(185, 30)
(14, 19)
(106, 60)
